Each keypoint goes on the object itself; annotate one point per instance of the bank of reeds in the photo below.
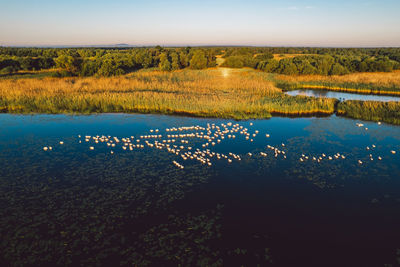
(207, 93)
(380, 83)
(388, 112)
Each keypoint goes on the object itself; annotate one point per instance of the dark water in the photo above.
(342, 96)
(76, 206)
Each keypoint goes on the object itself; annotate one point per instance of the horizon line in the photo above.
(125, 45)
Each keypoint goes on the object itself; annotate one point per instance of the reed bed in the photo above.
(382, 83)
(207, 93)
(388, 112)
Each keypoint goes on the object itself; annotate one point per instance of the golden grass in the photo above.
(384, 79)
(282, 56)
(370, 110)
(241, 94)
(220, 60)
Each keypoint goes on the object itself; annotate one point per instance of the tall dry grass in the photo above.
(212, 93)
(368, 82)
(370, 110)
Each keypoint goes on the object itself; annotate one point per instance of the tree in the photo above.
(290, 69)
(68, 63)
(26, 63)
(286, 66)
(165, 64)
(9, 65)
(8, 70)
(89, 68)
(184, 60)
(338, 69)
(264, 57)
(233, 62)
(110, 67)
(175, 65)
(270, 65)
(309, 69)
(199, 60)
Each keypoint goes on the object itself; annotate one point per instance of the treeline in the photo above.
(328, 65)
(322, 61)
(117, 61)
(104, 62)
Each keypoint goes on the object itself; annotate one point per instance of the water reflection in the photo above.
(342, 96)
(76, 206)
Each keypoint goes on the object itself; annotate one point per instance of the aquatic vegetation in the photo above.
(200, 143)
(72, 205)
(363, 83)
(210, 93)
(371, 110)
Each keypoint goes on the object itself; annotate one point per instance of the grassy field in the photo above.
(218, 92)
(383, 83)
(224, 93)
(30, 74)
(282, 56)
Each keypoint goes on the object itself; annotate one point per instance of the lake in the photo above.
(282, 191)
(342, 96)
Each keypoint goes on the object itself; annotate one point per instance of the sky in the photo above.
(338, 23)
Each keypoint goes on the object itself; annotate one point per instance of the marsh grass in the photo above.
(242, 94)
(30, 74)
(380, 83)
(388, 112)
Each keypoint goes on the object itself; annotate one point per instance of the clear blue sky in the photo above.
(197, 22)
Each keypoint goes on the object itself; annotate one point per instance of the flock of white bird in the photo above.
(176, 140)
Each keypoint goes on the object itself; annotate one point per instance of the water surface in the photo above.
(72, 205)
(342, 96)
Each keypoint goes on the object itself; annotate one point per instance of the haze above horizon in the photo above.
(353, 23)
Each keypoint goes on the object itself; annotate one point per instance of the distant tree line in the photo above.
(104, 62)
(117, 61)
(323, 61)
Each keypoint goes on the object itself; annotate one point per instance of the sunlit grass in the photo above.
(282, 56)
(371, 110)
(385, 83)
(238, 94)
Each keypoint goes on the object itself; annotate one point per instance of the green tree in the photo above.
(183, 59)
(110, 67)
(338, 69)
(27, 63)
(175, 64)
(165, 64)
(271, 65)
(264, 57)
(199, 60)
(8, 70)
(68, 63)
(309, 69)
(234, 62)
